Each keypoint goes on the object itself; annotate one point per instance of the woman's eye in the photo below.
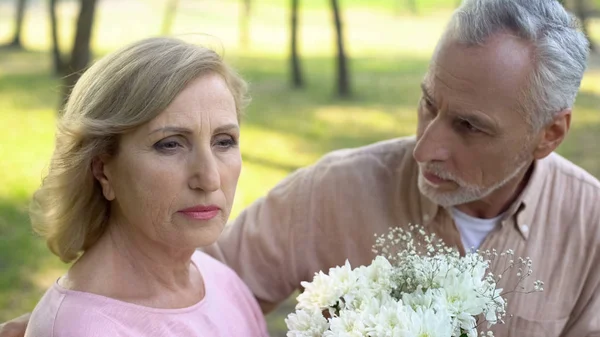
(225, 142)
(167, 145)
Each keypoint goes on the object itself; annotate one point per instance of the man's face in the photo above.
(472, 136)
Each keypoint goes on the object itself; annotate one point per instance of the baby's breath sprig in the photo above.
(404, 247)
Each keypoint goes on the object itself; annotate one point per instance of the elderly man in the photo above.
(481, 172)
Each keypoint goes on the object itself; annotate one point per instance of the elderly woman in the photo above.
(144, 172)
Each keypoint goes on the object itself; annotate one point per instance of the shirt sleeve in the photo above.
(259, 245)
(585, 318)
(253, 309)
(78, 322)
(587, 322)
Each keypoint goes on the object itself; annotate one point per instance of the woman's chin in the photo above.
(200, 236)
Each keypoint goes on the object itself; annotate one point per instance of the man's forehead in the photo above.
(505, 61)
(487, 78)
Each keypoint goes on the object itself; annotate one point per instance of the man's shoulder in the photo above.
(577, 178)
(576, 189)
(372, 166)
(387, 153)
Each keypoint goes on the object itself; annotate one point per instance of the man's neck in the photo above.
(501, 199)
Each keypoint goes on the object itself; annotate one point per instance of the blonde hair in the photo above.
(120, 92)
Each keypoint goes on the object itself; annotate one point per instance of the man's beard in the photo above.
(465, 192)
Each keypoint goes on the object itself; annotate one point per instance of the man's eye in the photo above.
(429, 107)
(428, 103)
(467, 126)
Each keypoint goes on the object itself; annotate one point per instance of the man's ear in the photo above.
(100, 173)
(552, 135)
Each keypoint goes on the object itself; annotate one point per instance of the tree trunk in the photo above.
(245, 24)
(80, 55)
(343, 82)
(581, 11)
(56, 58)
(412, 7)
(169, 17)
(19, 16)
(297, 80)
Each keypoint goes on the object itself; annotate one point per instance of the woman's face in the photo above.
(173, 180)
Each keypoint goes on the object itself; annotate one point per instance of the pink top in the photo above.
(228, 309)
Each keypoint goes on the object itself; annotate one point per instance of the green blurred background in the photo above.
(387, 45)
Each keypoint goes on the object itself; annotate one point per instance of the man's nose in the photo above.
(433, 145)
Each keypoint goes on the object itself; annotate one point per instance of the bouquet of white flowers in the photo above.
(412, 288)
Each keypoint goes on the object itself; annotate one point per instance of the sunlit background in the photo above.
(387, 45)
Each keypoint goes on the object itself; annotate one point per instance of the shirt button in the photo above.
(525, 228)
(426, 217)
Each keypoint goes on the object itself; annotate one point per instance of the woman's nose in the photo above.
(205, 172)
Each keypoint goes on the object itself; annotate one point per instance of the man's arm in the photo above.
(587, 324)
(15, 327)
(266, 307)
(585, 318)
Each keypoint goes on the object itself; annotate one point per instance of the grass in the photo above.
(284, 129)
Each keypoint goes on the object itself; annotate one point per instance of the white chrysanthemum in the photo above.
(463, 296)
(344, 278)
(494, 306)
(428, 323)
(357, 299)
(304, 323)
(348, 324)
(378, 275)
(321, 293)
(374, 282)
(388, 319)
(467, 323)
(430, 299)
(370, 306)
(326, 290)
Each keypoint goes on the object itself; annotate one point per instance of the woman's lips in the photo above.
(201, 212)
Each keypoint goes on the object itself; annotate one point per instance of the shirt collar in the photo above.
(522, 209)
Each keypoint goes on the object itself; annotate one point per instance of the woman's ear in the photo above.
(99, 172)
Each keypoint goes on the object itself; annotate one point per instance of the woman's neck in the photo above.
(127, 266)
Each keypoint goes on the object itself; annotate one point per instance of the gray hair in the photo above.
(560, 48)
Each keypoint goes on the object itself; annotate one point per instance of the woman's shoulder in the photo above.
(226, 291)
(63, 314)
(211, 267)
(219, 277)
